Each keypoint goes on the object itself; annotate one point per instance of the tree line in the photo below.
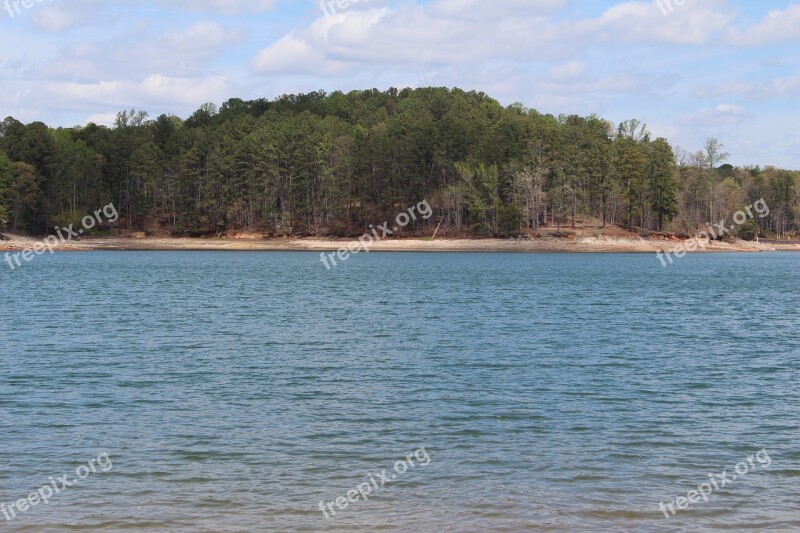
(323, 164)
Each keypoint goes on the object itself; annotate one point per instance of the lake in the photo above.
(550, 392)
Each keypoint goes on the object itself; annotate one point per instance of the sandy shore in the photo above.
(577, 243)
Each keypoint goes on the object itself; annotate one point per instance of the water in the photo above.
(236, 391)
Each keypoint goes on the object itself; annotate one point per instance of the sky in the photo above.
(690, 69)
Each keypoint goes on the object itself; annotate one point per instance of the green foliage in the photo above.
(663, 184)
(509, 220)
(6, 174)
(480, 187)
(561, 200)
(23, 193)
(64, 220)
(332, 164)
(748, 231)
(479, 230)
(631, 166)
(715, 152)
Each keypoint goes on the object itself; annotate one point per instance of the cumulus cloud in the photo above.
(122, 94)
(167, 70)
(178, 51)
(102, 119)
(778, 26)
(722, 115)
(56, 18)
(465, 31)
(569, 70)
(639, 22)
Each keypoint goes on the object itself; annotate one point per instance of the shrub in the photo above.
(479, 230)
(748, 231)
(509, 219)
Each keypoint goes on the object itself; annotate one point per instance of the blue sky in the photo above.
(724, 68)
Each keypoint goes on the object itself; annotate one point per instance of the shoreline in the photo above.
(574, 244)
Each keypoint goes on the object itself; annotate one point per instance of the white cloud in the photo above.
(224, 7)
(643, 23)
(179, 52)
(165, 91)
(483, 10)
(722, 115)
(102, 119)
(754, 90)
(460, 32)
(185, 91)
(568, 71)
(63, 16)
(777, 26)
(55, 18)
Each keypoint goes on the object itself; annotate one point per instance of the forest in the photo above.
(322, 164)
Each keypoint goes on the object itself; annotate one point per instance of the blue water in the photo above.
(236, 391)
